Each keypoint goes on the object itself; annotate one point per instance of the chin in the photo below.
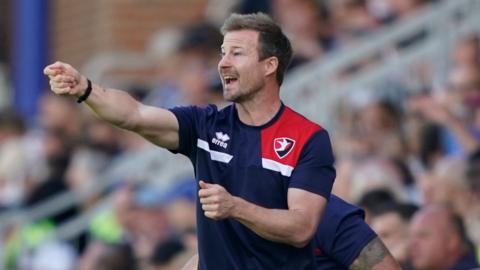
(229, 96)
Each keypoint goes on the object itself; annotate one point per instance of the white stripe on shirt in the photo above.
(214, 155)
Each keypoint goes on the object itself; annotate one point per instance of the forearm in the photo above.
(158, 125)
(278, 225)
(295, 225)
(375, 256)
(120, 109)
(114, 106)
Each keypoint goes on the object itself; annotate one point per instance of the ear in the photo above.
(271, 65)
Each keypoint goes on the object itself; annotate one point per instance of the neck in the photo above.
(260, 109)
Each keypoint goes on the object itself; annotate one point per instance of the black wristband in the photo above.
(84, 97)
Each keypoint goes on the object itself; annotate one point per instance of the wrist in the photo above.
(238, 204)
(86, 92)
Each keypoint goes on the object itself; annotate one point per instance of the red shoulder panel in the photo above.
(283, 141)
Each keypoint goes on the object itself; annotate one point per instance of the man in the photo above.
(264, 171)
(391, 224)
(170, 254)
(438, 241)
(344, 241)
(103, 256)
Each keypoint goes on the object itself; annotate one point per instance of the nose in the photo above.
(224, 62)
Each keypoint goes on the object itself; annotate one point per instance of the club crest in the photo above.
(283, 146)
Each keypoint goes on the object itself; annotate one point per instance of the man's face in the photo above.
(427, 243)
(393, 231)
(465, 82)
(240, 69)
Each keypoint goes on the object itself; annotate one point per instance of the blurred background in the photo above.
(396, 83)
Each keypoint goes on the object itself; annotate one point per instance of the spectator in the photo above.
(197, 82)
(59, 113)
(373, 201)
(391, 225)
(352, 20)
(467, 52)
(406, 8)
(135, 203)
(376, 173)
(169, 255)
(450, 186)
(438, 241)
(472, 219)
(13, 160)
(179, 206)
(101, 256)
(455, 110)
(306, 24)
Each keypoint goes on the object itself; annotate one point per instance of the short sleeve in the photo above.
(187, 118)
(191, 121)
(351, 237)
(315, 171)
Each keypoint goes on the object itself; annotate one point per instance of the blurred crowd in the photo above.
(412, 161)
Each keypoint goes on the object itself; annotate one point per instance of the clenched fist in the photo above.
(216, 202)
(65, 80)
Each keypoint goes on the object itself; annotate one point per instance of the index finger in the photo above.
(54, 69)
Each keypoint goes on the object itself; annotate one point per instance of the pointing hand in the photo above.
(65, 80)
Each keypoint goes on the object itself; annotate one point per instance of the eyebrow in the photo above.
(232, 47)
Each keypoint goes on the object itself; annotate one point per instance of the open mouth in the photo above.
(229, 80)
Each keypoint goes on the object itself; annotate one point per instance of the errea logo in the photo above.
(221, 139)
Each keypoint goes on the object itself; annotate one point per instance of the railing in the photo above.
(314, 89)
(152, 164)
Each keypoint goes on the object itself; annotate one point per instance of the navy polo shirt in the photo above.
(258, 164)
